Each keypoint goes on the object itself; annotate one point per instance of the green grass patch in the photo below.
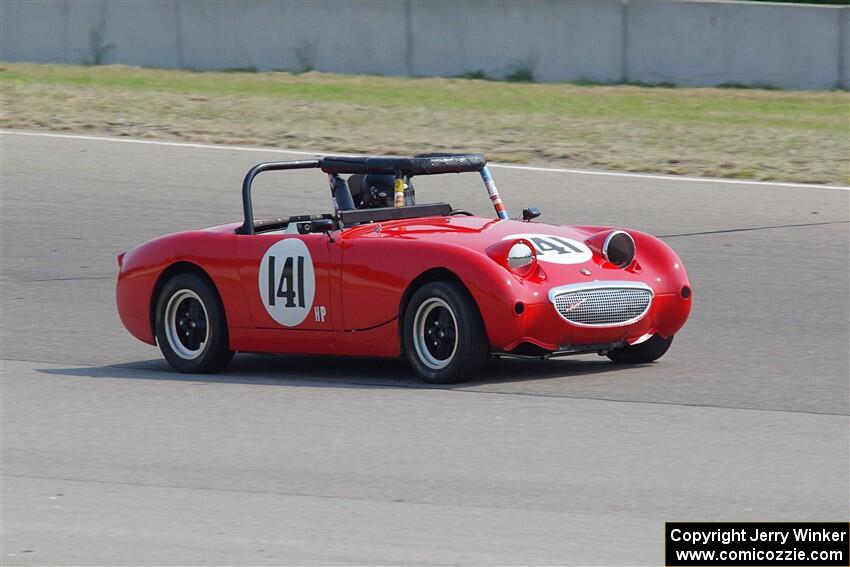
(750, 133)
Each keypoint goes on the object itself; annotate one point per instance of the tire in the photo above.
(187, 304)
(645, 352)
(444, 337)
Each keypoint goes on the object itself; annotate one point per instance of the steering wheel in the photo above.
(460, 212)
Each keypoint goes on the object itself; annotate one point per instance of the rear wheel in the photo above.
(191, 328)
(647, 351)
(444, 337)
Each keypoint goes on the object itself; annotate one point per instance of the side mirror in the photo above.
(530, 213)
(322, 225)
(316, 225)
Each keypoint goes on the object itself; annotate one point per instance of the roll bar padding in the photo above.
(409, 166)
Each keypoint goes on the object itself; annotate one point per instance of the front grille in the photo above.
(603, 306)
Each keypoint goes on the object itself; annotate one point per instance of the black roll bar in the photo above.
(425, 164)
(248, 224)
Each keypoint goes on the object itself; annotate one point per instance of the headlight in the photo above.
(520, 256)
(619, 249)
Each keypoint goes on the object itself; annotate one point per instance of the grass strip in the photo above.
(801, 136)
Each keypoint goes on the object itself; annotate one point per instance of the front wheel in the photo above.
(444, 337)
(647, 351)
(191, 328)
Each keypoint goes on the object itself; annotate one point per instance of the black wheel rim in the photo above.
(191, 323)
(186, 324)
(435, 333)
(440, 333)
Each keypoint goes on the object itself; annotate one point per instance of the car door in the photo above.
(286, 278)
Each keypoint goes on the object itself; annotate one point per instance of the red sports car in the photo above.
(382, 276)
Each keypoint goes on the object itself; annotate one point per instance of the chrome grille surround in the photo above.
(602, 304)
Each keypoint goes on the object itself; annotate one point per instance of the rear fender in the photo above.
(145, 269)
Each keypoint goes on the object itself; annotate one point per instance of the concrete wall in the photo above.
(653, 41)
(710, 43)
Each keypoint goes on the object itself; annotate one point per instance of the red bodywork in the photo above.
(364, 275)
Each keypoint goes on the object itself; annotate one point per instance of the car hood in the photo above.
(562, 250)
(467, 230)
(556, 244)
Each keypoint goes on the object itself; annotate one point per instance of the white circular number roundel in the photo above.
(556, 249)
(287, 281)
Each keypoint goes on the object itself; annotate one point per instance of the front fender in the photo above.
(660, 266)
(377, 272)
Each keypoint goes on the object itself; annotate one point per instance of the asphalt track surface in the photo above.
(108, 457)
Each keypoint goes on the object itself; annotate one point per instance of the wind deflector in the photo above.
(409, 166)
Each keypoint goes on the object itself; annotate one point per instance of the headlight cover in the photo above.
(518, 256)
(619, 248)
(521, 258)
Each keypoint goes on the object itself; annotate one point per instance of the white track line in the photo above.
(497, 165)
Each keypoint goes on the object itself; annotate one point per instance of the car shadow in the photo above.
(341, 372)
